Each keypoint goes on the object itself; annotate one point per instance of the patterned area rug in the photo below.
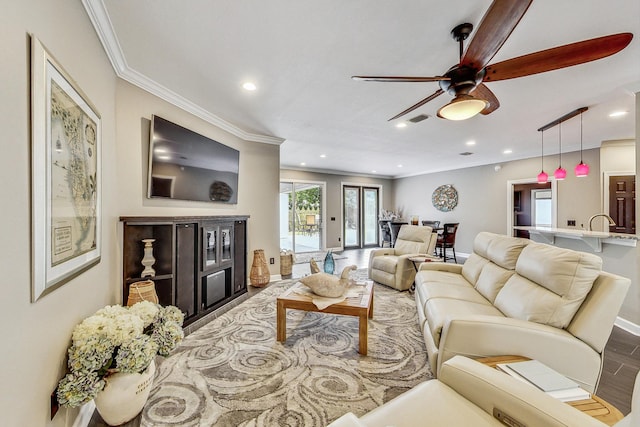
(233, 372)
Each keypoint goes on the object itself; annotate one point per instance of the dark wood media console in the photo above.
(201, 261)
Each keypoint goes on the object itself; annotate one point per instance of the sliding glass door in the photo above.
(360, 207)
(301, 216)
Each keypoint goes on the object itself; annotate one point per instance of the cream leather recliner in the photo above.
(391, 266)
(468, 393)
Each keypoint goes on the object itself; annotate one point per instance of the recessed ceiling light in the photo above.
(374, 171)
(401, 125)
(470, 143)
(303, 164)
(507, 151)
(399, 166)
(323, 155)
(249, 86)
(618, 113)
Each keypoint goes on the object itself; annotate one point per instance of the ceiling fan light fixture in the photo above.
(462, 107)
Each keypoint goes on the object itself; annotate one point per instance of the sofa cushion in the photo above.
(550, 285)
(472, 267)
(429, 290)
(439, 276)
(492, 279)
(441, 310)
(505, 251)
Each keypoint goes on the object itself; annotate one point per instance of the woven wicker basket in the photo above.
(286, 264)
(260, 274)
(142, 291)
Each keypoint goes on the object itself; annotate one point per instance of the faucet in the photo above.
(611, 221)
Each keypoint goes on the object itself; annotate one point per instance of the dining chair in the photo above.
(447, 240)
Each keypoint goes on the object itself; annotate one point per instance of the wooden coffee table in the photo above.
(360, 306)
(596, 407)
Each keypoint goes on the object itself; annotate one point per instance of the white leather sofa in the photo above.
(391, 266)
(516, 297)
(468, 393)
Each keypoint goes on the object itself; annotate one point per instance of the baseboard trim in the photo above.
(85, 414)
(627, 326)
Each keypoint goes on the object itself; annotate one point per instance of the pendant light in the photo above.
(560, 173)
(582, 169)
(543, 177)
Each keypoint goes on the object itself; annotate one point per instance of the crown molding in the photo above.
(102, 24)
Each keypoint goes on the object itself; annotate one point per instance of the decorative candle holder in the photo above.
(148, 260)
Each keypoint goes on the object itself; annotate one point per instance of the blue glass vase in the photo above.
(329, 263)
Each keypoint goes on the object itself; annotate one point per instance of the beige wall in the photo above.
(334, 197)
(482, 207)
(257, 181)
(36, 335)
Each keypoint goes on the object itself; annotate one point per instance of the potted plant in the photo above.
(111, 358)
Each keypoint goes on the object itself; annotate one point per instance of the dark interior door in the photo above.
(622, 203)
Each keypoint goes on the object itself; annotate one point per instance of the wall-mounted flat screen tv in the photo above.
(185, 165)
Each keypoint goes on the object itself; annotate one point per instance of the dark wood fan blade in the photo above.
(399, 79)
(558, 57)
(494, 29)
(483, 92)
(419, 104)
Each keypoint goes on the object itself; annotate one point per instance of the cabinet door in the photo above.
(186, 277)
(210, 242)
(226, 244)
(240, 256)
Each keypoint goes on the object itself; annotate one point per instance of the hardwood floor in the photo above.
(621, 365)
(621, 356)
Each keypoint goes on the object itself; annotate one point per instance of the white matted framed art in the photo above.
(66, 176)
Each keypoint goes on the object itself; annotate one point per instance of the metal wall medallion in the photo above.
(445, 198)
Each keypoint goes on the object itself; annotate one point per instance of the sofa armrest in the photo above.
(441, 266)
(484, 336)
(347, 420)
(492, 390)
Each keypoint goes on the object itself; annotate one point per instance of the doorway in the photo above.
(361, 205)
(530, 204)
(302, 216)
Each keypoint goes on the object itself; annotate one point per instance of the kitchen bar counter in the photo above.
(595, 239)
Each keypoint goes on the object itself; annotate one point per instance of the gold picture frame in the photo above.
(66, 176)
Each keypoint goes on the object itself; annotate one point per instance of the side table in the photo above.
(595, 406)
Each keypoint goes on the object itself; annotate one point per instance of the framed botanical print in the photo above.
(66, 175)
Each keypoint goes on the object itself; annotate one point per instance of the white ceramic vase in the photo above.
(124, 396)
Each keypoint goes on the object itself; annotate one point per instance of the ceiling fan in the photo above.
(465, 80)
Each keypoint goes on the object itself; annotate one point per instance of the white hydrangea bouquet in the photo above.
(117, 339)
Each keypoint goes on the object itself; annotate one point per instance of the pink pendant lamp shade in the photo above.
(543, 177)
(582, 169)
(560, 173)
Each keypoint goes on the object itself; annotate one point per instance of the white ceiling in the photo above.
(302, 53)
